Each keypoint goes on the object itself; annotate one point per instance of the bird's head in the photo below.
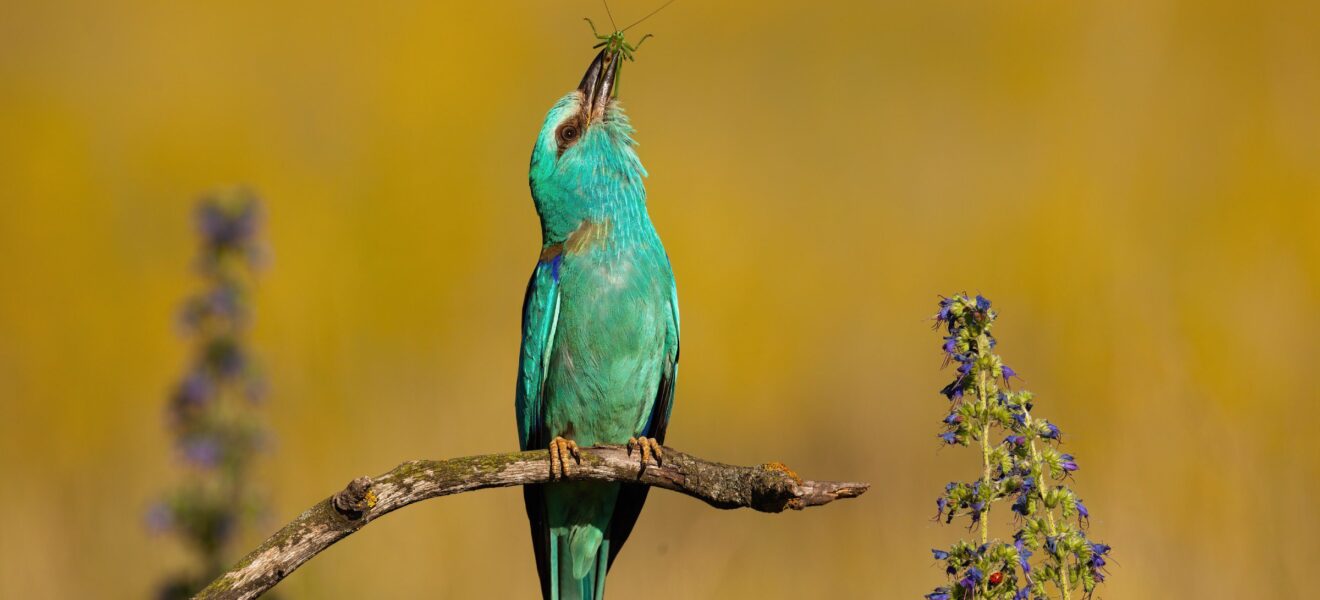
(583, 164)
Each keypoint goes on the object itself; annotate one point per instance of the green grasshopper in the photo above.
(615, 43)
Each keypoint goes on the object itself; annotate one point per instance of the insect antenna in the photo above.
(652, 14)
(609, 14)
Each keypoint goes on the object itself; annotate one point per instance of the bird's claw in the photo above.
(561, 450)
(648, 448)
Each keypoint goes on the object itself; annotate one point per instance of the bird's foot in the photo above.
(561, 450)
(648, 448)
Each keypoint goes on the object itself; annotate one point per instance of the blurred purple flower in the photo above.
(160, 518)
(227, 228)
(194, 391)
(224, 302)
(203, 452)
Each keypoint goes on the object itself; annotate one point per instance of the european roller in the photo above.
(599, 332)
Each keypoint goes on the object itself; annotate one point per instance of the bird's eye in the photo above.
(568, 133)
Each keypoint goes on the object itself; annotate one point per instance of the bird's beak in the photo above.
(598, 84)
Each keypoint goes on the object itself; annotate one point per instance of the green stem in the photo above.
(985, 458)
(983, 399)
(1042, 486)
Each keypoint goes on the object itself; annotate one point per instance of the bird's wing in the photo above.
(632, 496)
(540, 316)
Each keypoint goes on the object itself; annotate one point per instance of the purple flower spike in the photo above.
(1028, 461)
(216, 435)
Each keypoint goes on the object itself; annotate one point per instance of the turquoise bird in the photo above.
(599, 332)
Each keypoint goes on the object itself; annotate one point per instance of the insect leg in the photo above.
(593, 28)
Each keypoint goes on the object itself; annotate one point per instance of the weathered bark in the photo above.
(768, 488)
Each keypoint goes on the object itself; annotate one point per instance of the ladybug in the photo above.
(996, 578)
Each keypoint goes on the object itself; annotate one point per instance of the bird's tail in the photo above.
(581, 586)
(579, 545)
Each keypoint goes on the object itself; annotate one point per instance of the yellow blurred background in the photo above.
(1135, 184)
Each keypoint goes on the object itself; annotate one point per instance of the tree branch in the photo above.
(770, 487)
